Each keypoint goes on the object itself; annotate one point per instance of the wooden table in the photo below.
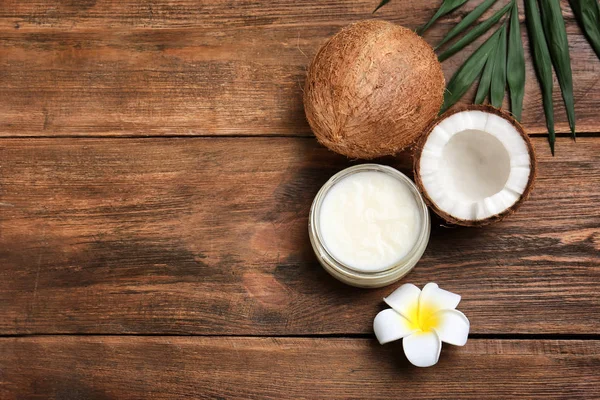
(156, 173)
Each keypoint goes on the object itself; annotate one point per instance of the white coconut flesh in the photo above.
(474, 165)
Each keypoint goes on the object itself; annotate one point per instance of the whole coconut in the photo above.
(372, 89)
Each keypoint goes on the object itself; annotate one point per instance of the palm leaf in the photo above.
(498, 84)
(446, 7)
(466, 21)
(468, 72)
(587, 13)
(483, 90)
(556, 34)
(383, 3)
(516, 65)
(474, 33)
(542, 63)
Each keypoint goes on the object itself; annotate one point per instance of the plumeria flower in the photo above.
(423, 319)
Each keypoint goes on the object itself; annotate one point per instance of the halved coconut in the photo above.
(474, 165)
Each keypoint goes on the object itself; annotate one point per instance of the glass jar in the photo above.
(353, 276)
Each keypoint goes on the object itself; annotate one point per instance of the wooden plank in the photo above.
(219, 67)
(253, 368)
(209, 236)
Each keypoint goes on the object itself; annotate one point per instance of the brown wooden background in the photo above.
(156, 173)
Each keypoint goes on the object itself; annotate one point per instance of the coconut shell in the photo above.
(372, 89)
(494, 218)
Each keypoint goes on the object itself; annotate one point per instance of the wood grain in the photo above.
(105, 232)
(209, 236)
(106, 368)
(218, 67)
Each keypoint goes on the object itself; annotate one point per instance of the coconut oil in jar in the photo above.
(369, 225)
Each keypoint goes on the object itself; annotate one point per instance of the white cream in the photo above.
(369, 221)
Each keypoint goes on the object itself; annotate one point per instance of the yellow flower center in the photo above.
(423, 317)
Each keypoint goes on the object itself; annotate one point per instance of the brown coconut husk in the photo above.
(372, 89)
(418, 149)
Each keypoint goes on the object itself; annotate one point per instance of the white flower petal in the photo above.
(452, 327)
(389, 326)
(422, 348)
(404, 299)
(434, 299)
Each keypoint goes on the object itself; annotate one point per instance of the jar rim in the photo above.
(353, 276)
